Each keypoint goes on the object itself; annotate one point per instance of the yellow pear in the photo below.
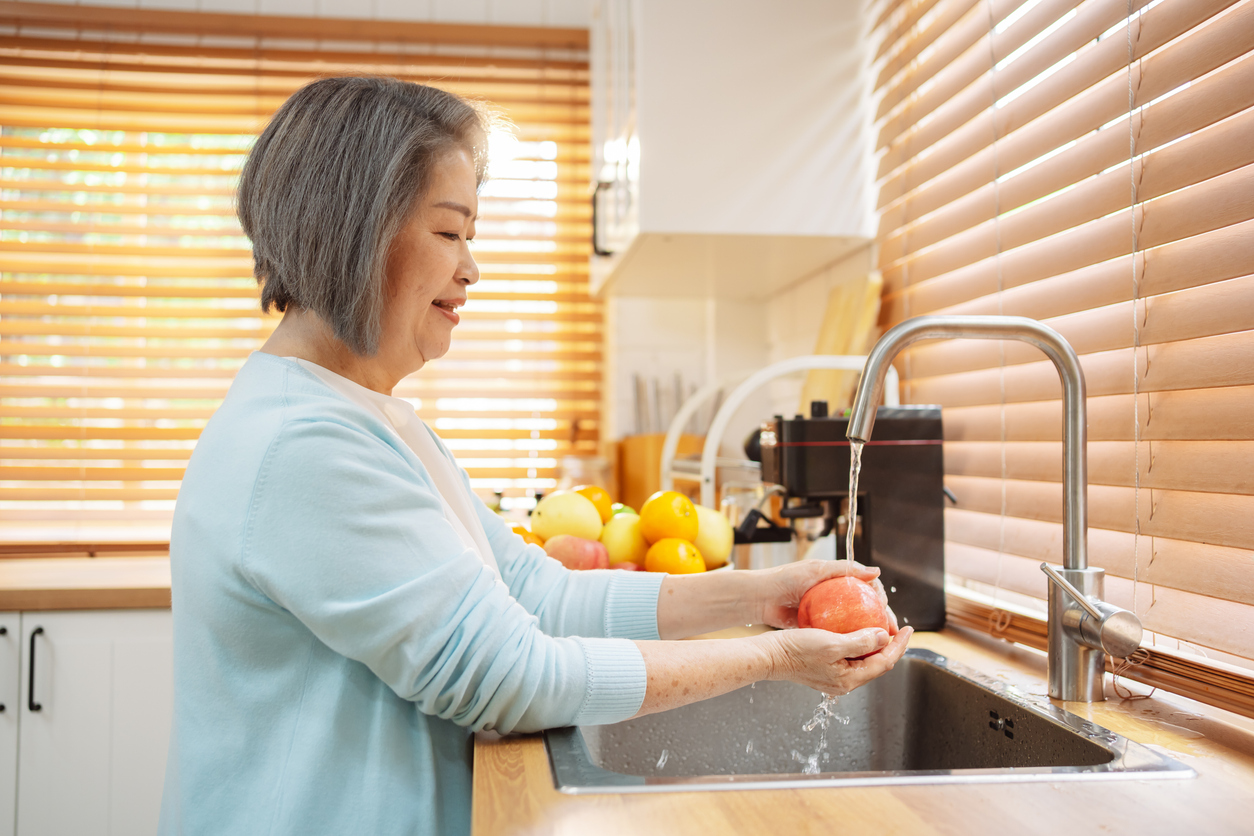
(715, 537)
(622, 536)
(566, 512)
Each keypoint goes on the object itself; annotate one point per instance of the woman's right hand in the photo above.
(829, 662)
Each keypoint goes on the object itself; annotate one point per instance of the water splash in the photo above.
(661, 762)
(822, 719)
(855, 467)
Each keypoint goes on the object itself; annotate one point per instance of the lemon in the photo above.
(622, 537)
(674, 556)
(715, 537)
(566, 512)
(668, 514)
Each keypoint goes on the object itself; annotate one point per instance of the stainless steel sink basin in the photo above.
(929, 721)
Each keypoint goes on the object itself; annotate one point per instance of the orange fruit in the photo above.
(674, 556)
(521, 531)
(668, 514)
(600, 498)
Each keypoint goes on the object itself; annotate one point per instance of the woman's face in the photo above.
(430, 267)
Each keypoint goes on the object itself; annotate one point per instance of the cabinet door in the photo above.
(10, 665)
(95, 721)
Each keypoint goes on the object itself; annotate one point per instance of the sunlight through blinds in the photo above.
(127, 301)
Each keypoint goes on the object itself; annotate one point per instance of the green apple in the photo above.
(620, 508)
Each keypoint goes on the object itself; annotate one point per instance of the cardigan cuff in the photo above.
(631, 605)
(616, 679)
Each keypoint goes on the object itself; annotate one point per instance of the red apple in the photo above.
(576, 552)
(626, 566)
(843, 605)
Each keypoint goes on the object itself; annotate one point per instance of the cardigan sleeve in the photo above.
(348, 538)
(605, 603)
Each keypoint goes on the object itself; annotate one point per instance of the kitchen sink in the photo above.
(928, 721)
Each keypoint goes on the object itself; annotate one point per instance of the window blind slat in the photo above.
(1206, 466)
(1216, 203)
(1214, 256)
(971, 198)
(894, 9)
(1207, 153)
(938, 112)
(1162, 416)
(1077, 101)
(214, 92)
(1225, 360)
(571, 130)
(1205, 311)
(967, 50)
(1204, 619)
(902, 51)
(90, 49)
(1217, 518)
(1179, 564)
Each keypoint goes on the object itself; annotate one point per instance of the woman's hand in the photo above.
(829, 662)
(778, 591)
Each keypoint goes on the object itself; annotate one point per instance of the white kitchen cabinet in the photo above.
(731, 144)
(95, 721)
(10, 667)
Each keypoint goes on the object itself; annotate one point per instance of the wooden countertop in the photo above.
(514, 792)
(84, 583)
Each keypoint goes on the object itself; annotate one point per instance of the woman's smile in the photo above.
(449, 307)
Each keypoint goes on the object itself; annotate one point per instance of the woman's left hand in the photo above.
(779, 590)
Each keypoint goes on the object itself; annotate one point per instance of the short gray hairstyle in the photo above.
(331, 181)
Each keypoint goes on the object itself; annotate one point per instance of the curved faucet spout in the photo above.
(1057, 349)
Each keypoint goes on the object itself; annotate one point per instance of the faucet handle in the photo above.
(1101, 626)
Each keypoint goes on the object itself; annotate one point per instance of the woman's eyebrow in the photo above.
(456, 207)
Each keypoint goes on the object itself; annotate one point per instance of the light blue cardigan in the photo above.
(335, 644)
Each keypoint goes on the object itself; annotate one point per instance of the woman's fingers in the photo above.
(843, 568)
(862, 642)
(837, 663)
(882, 662)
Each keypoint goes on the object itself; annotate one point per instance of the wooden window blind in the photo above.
(127, 301)
(1087, 163)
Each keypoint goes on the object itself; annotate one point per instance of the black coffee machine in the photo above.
(901, 523)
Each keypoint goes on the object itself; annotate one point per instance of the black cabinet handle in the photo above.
(30, 692)
(4, 631)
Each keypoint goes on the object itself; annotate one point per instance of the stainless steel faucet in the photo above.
(1082, 627)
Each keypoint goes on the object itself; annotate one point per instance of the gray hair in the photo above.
(331, 181)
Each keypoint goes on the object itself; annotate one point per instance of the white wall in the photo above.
(757, 114)
(701, 340)
(559, 13)
(793, 320)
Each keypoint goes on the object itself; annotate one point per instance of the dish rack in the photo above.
(704, 470)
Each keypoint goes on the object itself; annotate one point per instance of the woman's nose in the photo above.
(468, 272)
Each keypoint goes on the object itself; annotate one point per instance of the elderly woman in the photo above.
(346, 611)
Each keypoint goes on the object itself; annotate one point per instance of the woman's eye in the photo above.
(452, 236)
